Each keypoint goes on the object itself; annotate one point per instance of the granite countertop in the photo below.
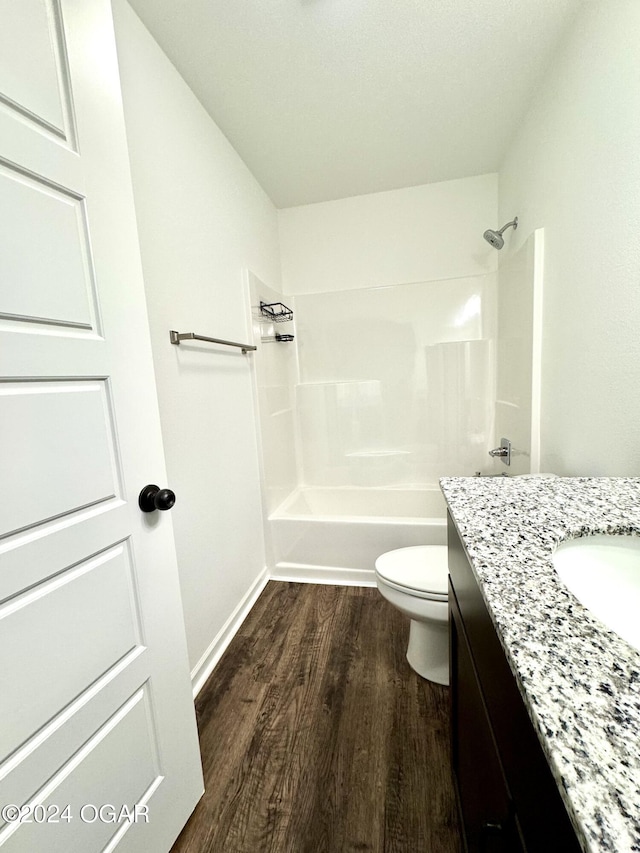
(580, 681)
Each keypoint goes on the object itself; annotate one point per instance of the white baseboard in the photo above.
(302, 573)
(205, 666)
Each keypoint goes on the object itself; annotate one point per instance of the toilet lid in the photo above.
(421, 567)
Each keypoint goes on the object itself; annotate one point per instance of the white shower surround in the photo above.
(352, 441)
(334, 535)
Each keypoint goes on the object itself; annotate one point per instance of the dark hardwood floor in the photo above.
(317, 737)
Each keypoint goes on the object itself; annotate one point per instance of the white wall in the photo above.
(202, 220)
(417, 234)
(574, 169)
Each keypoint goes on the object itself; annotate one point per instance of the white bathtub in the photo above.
(335, 535)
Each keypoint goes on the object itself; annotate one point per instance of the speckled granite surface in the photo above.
(580, 681)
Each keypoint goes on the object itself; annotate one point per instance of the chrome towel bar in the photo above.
(176, 337)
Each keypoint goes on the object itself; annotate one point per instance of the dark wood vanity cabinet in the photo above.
(487, 809)
(508, 797)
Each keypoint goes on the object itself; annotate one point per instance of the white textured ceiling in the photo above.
(325, 99)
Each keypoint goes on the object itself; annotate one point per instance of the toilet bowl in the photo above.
(415, 581)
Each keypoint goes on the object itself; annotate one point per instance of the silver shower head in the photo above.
(495, 237)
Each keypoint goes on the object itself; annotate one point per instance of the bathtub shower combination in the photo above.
(336, 534)
(368, 399)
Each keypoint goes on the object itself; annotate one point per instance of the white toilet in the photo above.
(415, 581)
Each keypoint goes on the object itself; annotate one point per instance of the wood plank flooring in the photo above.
(317, 737)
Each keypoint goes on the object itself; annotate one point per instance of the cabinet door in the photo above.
(487, 811)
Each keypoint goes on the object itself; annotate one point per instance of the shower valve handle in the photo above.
(503, 452)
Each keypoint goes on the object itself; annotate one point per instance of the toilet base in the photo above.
(428, 650)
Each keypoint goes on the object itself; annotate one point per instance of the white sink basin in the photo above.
(603, 572)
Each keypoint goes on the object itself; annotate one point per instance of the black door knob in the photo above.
(153, 497)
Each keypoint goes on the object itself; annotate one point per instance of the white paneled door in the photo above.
(98, 744)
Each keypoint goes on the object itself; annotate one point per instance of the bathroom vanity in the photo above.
(545, 699)
(509, 799)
